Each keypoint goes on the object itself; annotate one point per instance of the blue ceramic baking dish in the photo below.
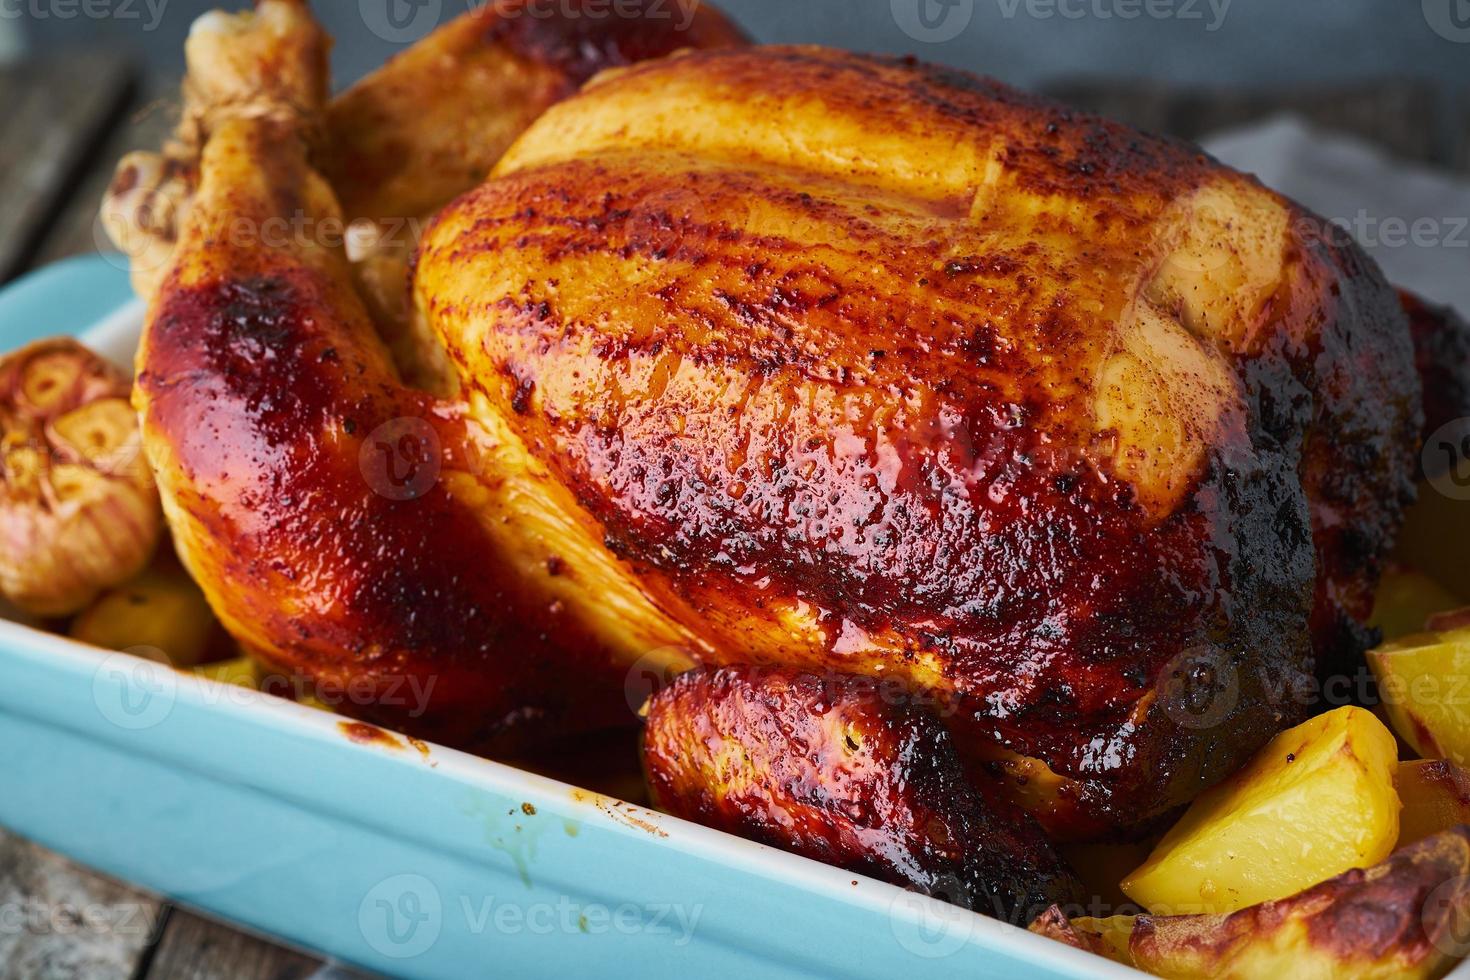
(414, 860)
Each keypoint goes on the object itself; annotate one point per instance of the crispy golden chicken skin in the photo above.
(849, 772)
(432, 122)
(873, 367)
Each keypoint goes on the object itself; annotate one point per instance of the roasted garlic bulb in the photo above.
(78, 509)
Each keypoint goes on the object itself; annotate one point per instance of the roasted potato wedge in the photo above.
(1408, 916)
(162, 610)
(1424, 684)
(1054, 924)
(1436, 797)
(1104, 936)
(239, 671)
(838, 769)
(1316, 801)
(1406, 598)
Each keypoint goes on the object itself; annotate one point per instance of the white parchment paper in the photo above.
(1414, 220)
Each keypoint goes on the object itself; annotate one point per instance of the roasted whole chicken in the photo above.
(791, 365)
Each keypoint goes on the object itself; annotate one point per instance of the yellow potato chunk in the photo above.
(1315, 802)
(239, 671)
(1406, 598)
(1436, 796)
(1424, 684)
(161, 610)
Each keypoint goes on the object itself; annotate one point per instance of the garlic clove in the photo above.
(103, 434)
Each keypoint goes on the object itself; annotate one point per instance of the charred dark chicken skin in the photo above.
(786, 357)
(841, 770)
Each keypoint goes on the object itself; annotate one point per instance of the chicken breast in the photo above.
(873, 367)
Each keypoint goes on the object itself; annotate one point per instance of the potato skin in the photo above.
(162, 609)
(1389, 920)
(1436, 797)
(842, 770)
(1404, 917)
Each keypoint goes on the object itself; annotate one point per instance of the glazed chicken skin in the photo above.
(870, 367)
(792, 357)
(839, 769)
(348, 529)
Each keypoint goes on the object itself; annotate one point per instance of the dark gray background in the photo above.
(1027, 42)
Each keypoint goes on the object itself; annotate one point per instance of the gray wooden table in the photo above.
(63, 128)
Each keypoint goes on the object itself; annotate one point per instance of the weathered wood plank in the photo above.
(144, 123)
(59, 921)
(195, 948)
(1402, 116)
(56, 112)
